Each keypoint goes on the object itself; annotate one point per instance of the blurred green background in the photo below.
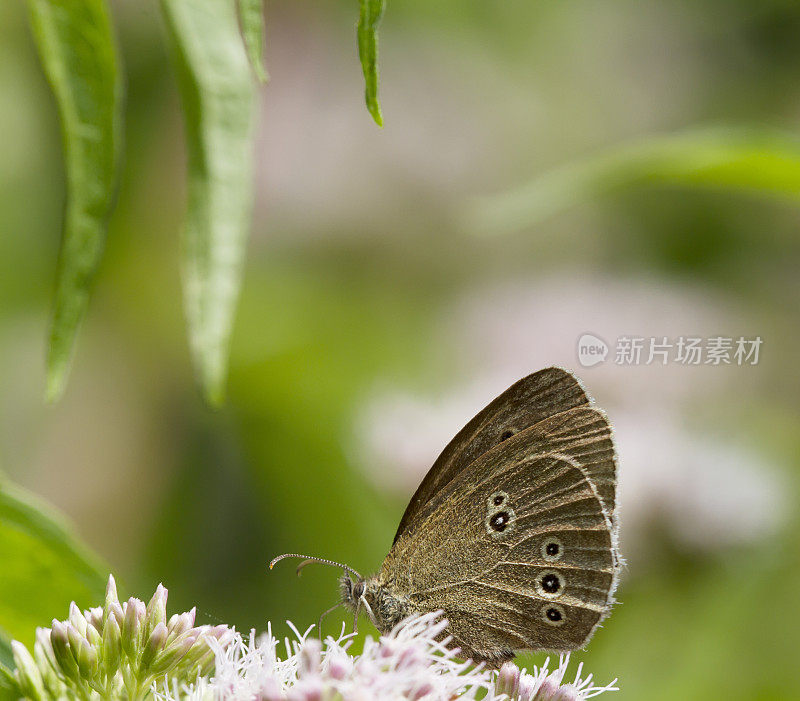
(375, 321)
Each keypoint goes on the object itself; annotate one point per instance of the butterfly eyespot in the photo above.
(500, 516)
(553, 615)
(552, 549)
(497, 499)
(550, 584)
(499, 521)
(506, 435)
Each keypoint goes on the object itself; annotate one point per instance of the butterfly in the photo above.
(512, 533)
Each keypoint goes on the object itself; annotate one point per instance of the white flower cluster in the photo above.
(115, 651)
(409, 663)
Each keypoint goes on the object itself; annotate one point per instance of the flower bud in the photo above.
(132, 627)
(115, 610)
(172, 654)
(180, 623)
(310, 657)
(86, 657)
(221, 632)
(93, 636)
(526, 688)
(112, 646)
(198, 646)
(156, 610)
(567, 692)
(43, 655)
(27, 673)
(59, 641)
(507, 680)
(154, 645)
(548, 689)
(111, 592)
(74, 638)
(45, 646)
(77, 619)
(94, 617)
(340, 666)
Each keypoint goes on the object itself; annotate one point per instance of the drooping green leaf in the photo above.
(77, 50)
(218, 103)
(251, 17)
(369, 18)
(762, 162)
(44, 567)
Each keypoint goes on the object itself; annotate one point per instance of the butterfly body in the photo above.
(512, 534)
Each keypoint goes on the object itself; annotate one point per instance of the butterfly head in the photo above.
(359, 593)
(353, 590)
(356, 591)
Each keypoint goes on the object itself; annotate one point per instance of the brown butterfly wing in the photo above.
(582, 434)
(536, 570)
(527, 402)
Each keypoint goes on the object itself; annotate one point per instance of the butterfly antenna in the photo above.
(308, 559)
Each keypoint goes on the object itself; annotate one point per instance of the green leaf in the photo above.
(77, 50)
(6, 655)
(218, 103)
(759, 161)
(251, 17)
(368, 21)
(44, 567)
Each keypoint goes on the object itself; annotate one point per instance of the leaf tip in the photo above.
(56, 381)
(214, 392)
(375, 110)
(261, 73)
